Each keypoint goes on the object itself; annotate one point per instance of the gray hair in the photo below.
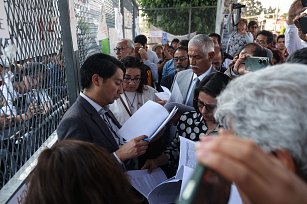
(269, 106)
(130, 43)
(203, 41)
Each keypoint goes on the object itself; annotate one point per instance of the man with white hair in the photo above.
(201, 53)
(271, 110)
(124, 48)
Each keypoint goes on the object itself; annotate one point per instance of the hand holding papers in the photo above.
(147, 120)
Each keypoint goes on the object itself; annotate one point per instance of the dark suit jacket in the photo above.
(82, 122)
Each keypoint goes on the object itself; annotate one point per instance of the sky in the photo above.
(283, 4)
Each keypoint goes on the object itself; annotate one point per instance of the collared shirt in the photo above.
(200, 77)
(101, 110)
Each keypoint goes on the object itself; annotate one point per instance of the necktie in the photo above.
(196, 84)
(107, 118)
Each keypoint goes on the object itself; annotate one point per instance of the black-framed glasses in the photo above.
(209, 107)
(181, 59)
(119, 49)
(134, 80)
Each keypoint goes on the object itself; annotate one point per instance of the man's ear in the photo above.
(211, 55)
(96, 79)
(286, 159)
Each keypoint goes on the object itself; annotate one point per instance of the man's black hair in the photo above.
(268, 34)
(280, 36)
(175, 40)
(103, 65)
(251, 24)
(142, 39)
(219, 39)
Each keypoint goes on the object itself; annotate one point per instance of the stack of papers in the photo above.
(148, 120)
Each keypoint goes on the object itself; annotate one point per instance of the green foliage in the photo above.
(176, 21)
(253, 7)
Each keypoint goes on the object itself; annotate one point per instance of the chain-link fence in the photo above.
(104, 23)
(39, 65)
(33, 89)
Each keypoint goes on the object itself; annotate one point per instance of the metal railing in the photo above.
(33, 88)
(39, 67)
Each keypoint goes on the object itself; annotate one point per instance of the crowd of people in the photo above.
(249, 124)
(29, 90)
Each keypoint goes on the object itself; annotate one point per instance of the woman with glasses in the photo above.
(135, 91)
(194, 124)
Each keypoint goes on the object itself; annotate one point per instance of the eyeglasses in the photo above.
(119, 49)
(254, 27)
(209, 107)
(260, 42)
(181, 59)
(134, 80)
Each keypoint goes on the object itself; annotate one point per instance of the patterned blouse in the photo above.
(191, 126)
(237, 41)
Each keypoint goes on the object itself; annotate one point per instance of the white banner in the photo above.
(102, 25)
(73, 25)
(118, 23)
(4, 29)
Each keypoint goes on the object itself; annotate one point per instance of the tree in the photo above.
(173, 16)
(253, 7)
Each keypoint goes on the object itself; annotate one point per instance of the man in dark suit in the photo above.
(89, 118)
(201, 53)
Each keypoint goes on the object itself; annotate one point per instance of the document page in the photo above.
(166, 192)
(187, 153)
(165, 95)
(187, 173)
(145, 182)
(169, 117)
(145, 121)
(148, 120)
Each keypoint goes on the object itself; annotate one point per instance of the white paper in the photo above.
(147, 120)
(145, 182)
(4, 28)
(155, 186)
(176, 95)
(73, 25)
(169, 117)
(187, 173)
(187, 153)
(165, 89)
(165, 95)
(102, 32)
(235, 197)
(166, 192)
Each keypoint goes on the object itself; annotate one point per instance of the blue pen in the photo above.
(147, 139)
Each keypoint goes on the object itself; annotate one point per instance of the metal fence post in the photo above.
(122, 11)
(70, 57)
(190, 21)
